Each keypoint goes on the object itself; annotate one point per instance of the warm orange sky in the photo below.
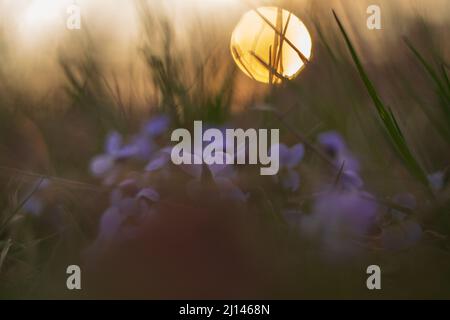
(35, 20)
(33, 36)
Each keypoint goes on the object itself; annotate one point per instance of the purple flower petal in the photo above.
(351, 180)
(110, 223)
(230, 191)
(341, 221)
(217, 169)
(332, 142)
(295, 155)
(128, 183)
(40, 184)
(350, 162)
(34, 206)
(195, 170)
(157, 126)
(283, 153)
(149, 194)
(346, 212)
(128, 187)
(100, 165)
(115, 197)
(158, 162)
(336, 148)
(290, 180)
(125, 152)
(436, 180)
(113, 142)
(290, 157)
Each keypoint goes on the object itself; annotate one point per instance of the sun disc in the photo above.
(270, 45)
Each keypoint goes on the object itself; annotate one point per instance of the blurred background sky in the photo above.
(33, 32)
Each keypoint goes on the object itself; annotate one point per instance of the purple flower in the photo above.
(143, 146)
(159, 160)
(129, 208)
(290, 158)
(35, 203)
(102, 164)
(140, 147)
(130, 188)
(158, 125)
(116, 147)
(437, 180)
(351, 180)
(341, 221)
(401, 232)
(34, 206)
(129, 211)
(106, 165)
(41, 201)
(220, 175)
(239, 150)
(125, 189)
(336, 148)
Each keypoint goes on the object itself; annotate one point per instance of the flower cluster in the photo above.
(345, 219)
(342, 217)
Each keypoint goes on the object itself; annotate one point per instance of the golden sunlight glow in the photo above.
(271, 45)
(41, 15)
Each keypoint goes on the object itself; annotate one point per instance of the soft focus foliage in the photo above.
(86, 175)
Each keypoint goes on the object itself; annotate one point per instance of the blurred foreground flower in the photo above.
(437, 180)
(336, 148)
(141, 147)
(341, 221)
(215, 178)
(43, 202)
(34, 201)
(157, 126)
(130, 207)
(290, 158)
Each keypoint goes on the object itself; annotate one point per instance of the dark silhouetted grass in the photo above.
(386, 115)
(439, 77)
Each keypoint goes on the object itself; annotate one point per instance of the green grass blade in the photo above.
(4, 252)
(387, 117)
(20, 206)
(442, 88)
(447, 81)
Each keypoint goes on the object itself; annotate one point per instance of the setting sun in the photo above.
(270, 45)
(40, 15)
